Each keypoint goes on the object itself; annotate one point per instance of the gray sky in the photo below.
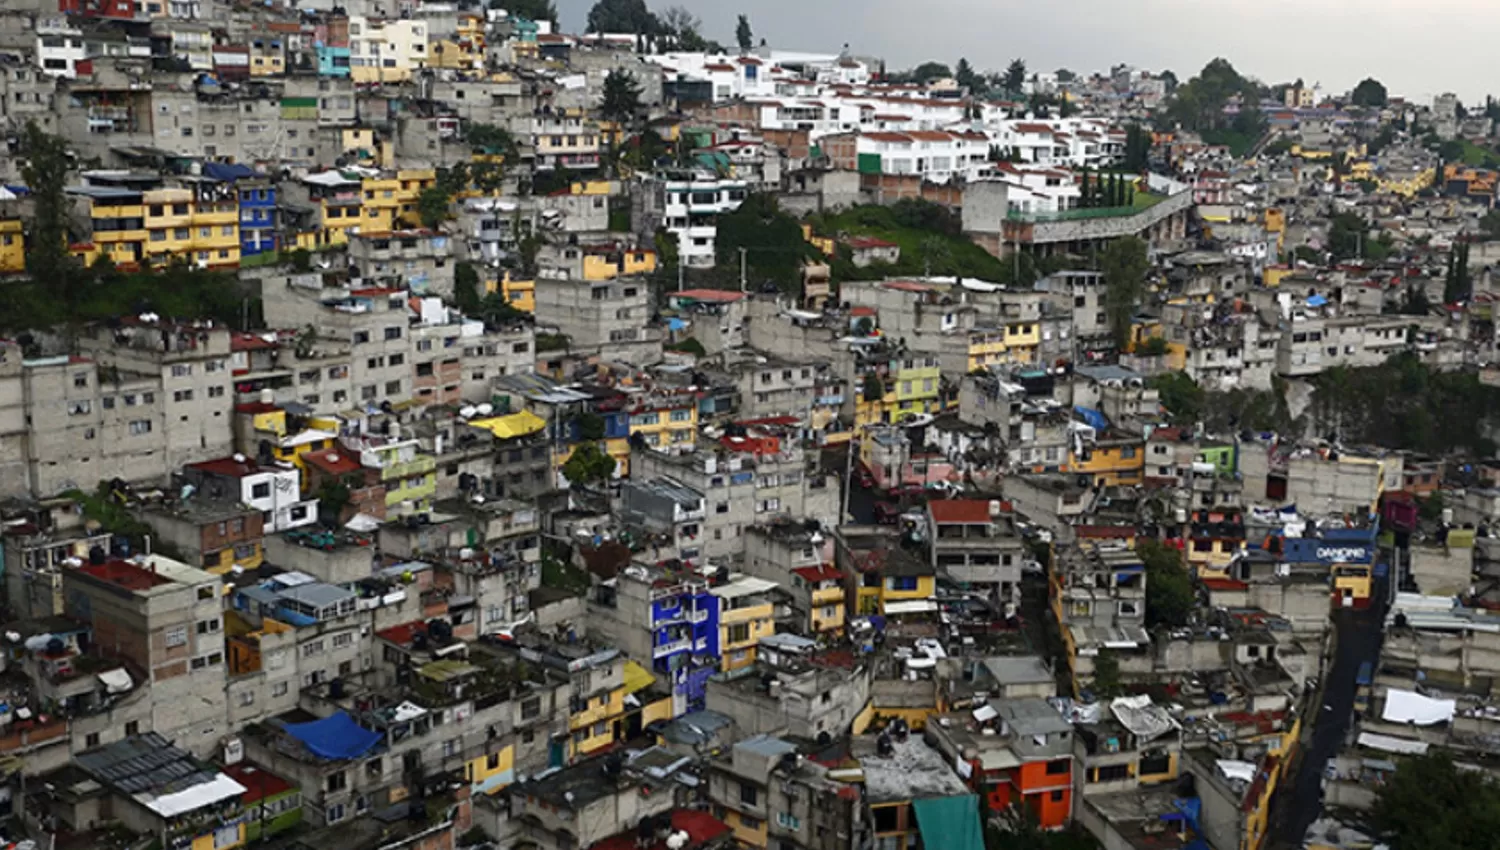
(1416, 47)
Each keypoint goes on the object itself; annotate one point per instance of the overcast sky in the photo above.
(1418, 48)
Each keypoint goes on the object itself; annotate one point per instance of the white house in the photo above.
(689, 203)
(275, 490)
(59, 47)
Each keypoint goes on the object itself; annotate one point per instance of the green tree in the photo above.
(1169, 588)
(872, 389)
(772, 240)
(1124, 265)
(1137, 148)
(588, 465)
(1490, 224)
(590, 426)
(964, 75)
(1065, 76)
(1369, 92)
(929, 71)
(44, 168)
(1346, 234)
(1180, 395)
(1107, 684)
(742, 34)
(1015, 76)
(1457, 285)
(622, 98)
(622, 16)
(1433, 802)
(432, 206)
(466, 288)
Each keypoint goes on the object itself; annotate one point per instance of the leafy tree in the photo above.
(588, 465)
(1155, 346)
(1414, 302)
(1180, 395)
(1169, 80)
(487, 138)
(929, 71)
(1065, 76)
(466, 288)
(1107, 684)
(622, 98)
(44, 169)
(1085, 188)
(742, 33)
(590, 426)
(1169, 588)
(621, 16)
(772, 239)
(1124, 265)
(1346, 234)
(1137, 148)
(1457, 286)
(1432, 802)
(432, 206)
(1015, 76)
(872, 389)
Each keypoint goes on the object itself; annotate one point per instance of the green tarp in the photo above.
(950, 823)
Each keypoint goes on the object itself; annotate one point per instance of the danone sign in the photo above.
(1344, 553)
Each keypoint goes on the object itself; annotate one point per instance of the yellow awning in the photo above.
(512, 426)
(637, 678)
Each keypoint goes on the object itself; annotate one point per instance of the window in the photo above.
(312, 648)
(176, 636)
(140, 426)
(208, 627)
(343, 639)
(749, 794)
(531, 708)
(739, 633)
(182, 370)
(1057, 767)
(108, 402)
(392, 387)
(81, 380)
(902, 583)
(215, 392)
(182, 395)
(247, 697)
(392, 333)
(396, 360)
(788, 821)
(79, 408)
(279, 689)
(334, 813)
(91, 740)
(133, 728)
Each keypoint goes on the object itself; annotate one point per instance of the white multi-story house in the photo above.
(687, 203)
(937, 156)
(274, 490)
(59, 48)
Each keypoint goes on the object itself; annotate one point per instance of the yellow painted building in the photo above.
(610, 263)
(12, 246)
(520, 294)
(492, 772)
(390, 201)
(828, 607)
(267, 55)
(465, 52)
(119, 228)
(874, 598)
(666, 422)
(1113, 461)
(746, 615)
(592, 723)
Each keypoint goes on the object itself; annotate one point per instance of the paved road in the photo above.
(1300, 802)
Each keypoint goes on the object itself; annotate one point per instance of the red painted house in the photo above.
(1013, 752)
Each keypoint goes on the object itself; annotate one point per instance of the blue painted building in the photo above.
(685, 638)
(258, 219)
(333, 61)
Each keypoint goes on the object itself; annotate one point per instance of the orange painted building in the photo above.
(1017, 752)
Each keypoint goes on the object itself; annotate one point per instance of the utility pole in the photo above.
(680, 272)
(743, 287)
(848, 474)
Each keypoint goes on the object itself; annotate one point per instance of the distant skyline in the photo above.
(1408, 45)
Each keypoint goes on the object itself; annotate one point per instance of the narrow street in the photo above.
(1299, 801)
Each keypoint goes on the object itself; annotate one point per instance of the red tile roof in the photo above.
(248, 342)
(825, 572)
(333, 461)
(228, 467)
(401, 635)
(125, 574)
(959, 511)
(1033, 128)
(1224, 584)
(863, 311)
(258, 781)
(907, 286)
(865, 242)
(255, 407)
(888, 137)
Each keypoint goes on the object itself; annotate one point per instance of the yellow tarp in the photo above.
(512, 426)
(637, 678)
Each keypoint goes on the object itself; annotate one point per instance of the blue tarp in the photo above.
(951, 823)
(1316, 301)
(227, 171)
(335, 737)
(1092, 417)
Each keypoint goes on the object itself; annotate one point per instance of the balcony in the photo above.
(672, 648)
(409, 468)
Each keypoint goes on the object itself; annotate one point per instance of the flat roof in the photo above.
(913, 771)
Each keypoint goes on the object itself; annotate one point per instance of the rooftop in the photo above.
(912, 771)
(125, 574)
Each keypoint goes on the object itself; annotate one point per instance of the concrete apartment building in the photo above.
(80, 432)
(191, 365)
(373, 323)
(419, 260)
(975, 544)
(611, 318)
(771, 386)
(741, 489)
(165, 618)
(38, 549)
